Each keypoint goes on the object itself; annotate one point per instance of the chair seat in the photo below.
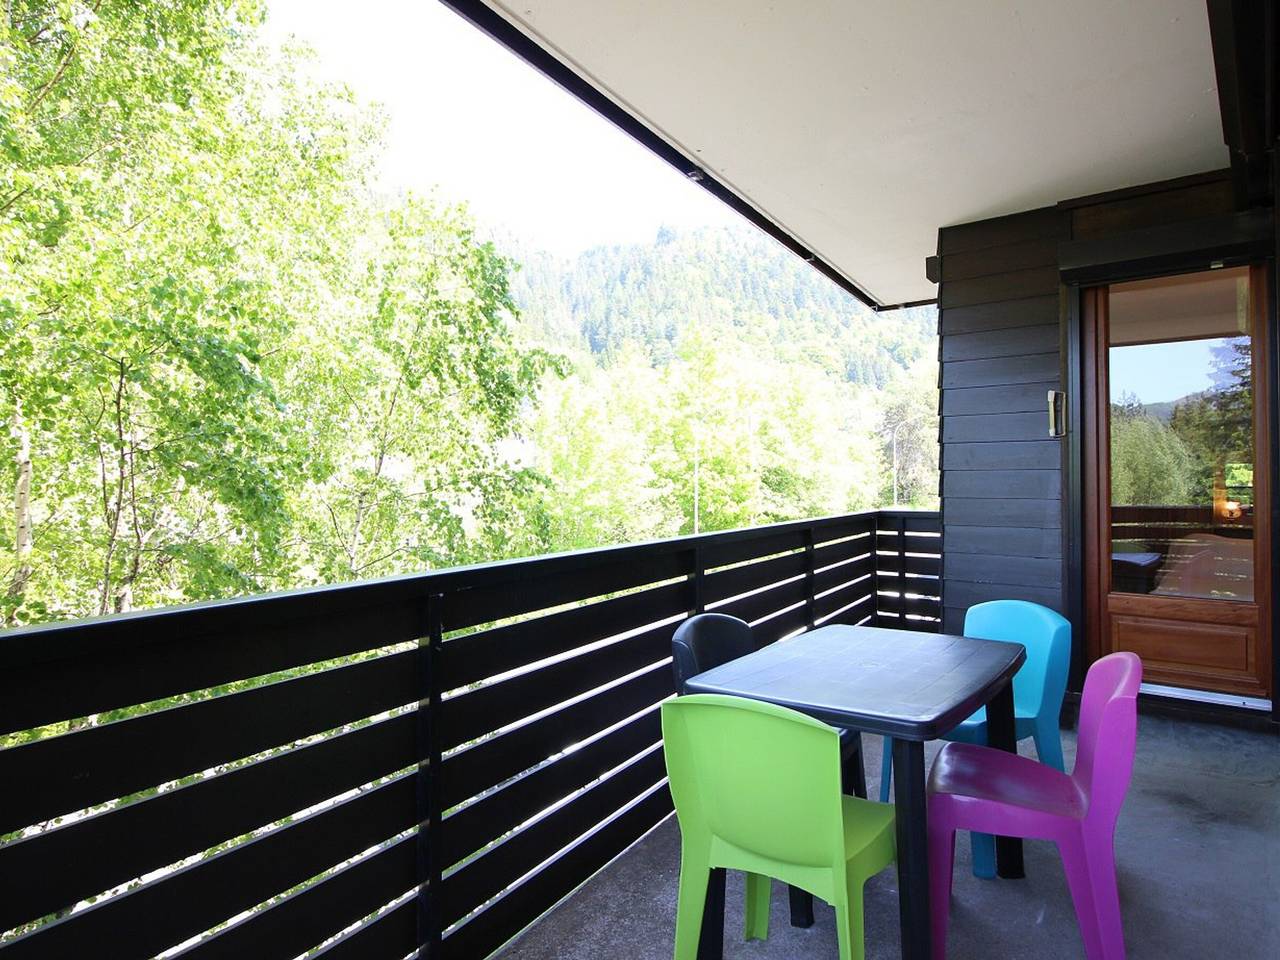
(972, 773)
(867, 826)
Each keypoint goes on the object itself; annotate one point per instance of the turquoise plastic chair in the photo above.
(773, 810)
(1038, 689)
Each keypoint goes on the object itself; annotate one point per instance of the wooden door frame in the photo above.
(1095, 478)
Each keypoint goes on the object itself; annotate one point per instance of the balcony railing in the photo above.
(426, 761)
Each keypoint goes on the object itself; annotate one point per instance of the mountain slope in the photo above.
(730, 279)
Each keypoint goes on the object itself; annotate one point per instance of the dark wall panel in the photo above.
(992, 455)
(1000, 333)
(1004, 314)
(1015, 398)
(1010, 342)
(1037, 368)
(996, 426)
(1022, 485)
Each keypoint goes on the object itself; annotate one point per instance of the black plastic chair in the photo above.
(710, 639)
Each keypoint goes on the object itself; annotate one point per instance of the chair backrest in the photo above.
(1108, 734)
(705, 641)
(1041, 682)
(760, 777)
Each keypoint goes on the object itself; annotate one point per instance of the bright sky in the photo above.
(1159, 372)
(470, 117)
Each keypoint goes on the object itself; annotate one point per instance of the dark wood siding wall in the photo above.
(1000, 351)
(1003, 329)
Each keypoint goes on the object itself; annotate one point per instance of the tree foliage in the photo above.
(1149, 463)
(228, 364)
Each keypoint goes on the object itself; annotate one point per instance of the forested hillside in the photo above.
(645, 294)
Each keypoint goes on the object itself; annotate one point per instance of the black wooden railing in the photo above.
(425, 763)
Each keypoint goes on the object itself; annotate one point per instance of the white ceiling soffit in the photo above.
(861, 128)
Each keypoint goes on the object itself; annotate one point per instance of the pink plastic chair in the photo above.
(991, 791)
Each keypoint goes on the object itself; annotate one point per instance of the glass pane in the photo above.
(1182, 457)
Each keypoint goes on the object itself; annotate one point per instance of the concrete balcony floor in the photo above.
(1197, 846)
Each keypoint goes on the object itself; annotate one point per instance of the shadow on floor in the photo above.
(1198, 848)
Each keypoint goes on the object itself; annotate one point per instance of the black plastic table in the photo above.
(910, 686)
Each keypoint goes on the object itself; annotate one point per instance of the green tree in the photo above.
(909, 437)
(1149, 464)
(1217, 426)
(206, 316)
(407, 403)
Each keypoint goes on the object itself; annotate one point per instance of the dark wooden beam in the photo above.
(1241, 34)
(1183, 246)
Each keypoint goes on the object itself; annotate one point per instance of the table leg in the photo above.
(913, 848)
(801, 907)
(1003, 736)
(711, 937)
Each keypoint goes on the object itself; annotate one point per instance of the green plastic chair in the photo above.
(757, 788)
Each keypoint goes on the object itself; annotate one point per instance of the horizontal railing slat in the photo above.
(758, 605)
(105, 678)
(913, 521)
(525, 594)
(928, 566)
(727, 583)
(309, 917)
(130, 841)
(723, 553)
(77, 770)
(391, 936)
(490, 873)
(824, 580)
(855, 524)
(488, 818)
(857, 593)
(520, 906)
(143, 922)
(777, 627)
(922, 605)
(914, 543)
(843, 550)
(470, 715)
(476, 768)
(476, 657)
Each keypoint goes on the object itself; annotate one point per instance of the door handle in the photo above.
(1057, 414)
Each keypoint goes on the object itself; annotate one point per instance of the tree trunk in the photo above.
(21, 509)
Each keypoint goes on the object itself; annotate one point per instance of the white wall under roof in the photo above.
(863, 127)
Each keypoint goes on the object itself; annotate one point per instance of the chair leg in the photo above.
(982, 846)
(1075, 864)
(853, 773)
(757, 907)
(695, 873)
(886, 770)
(1100, 852)
(801, 902)
(942, 852)
(1049, 743)
(849, 932)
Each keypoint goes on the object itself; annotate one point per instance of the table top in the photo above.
(911, 685)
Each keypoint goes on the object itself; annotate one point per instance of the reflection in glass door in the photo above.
(1182, 449)
(1177, 535)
